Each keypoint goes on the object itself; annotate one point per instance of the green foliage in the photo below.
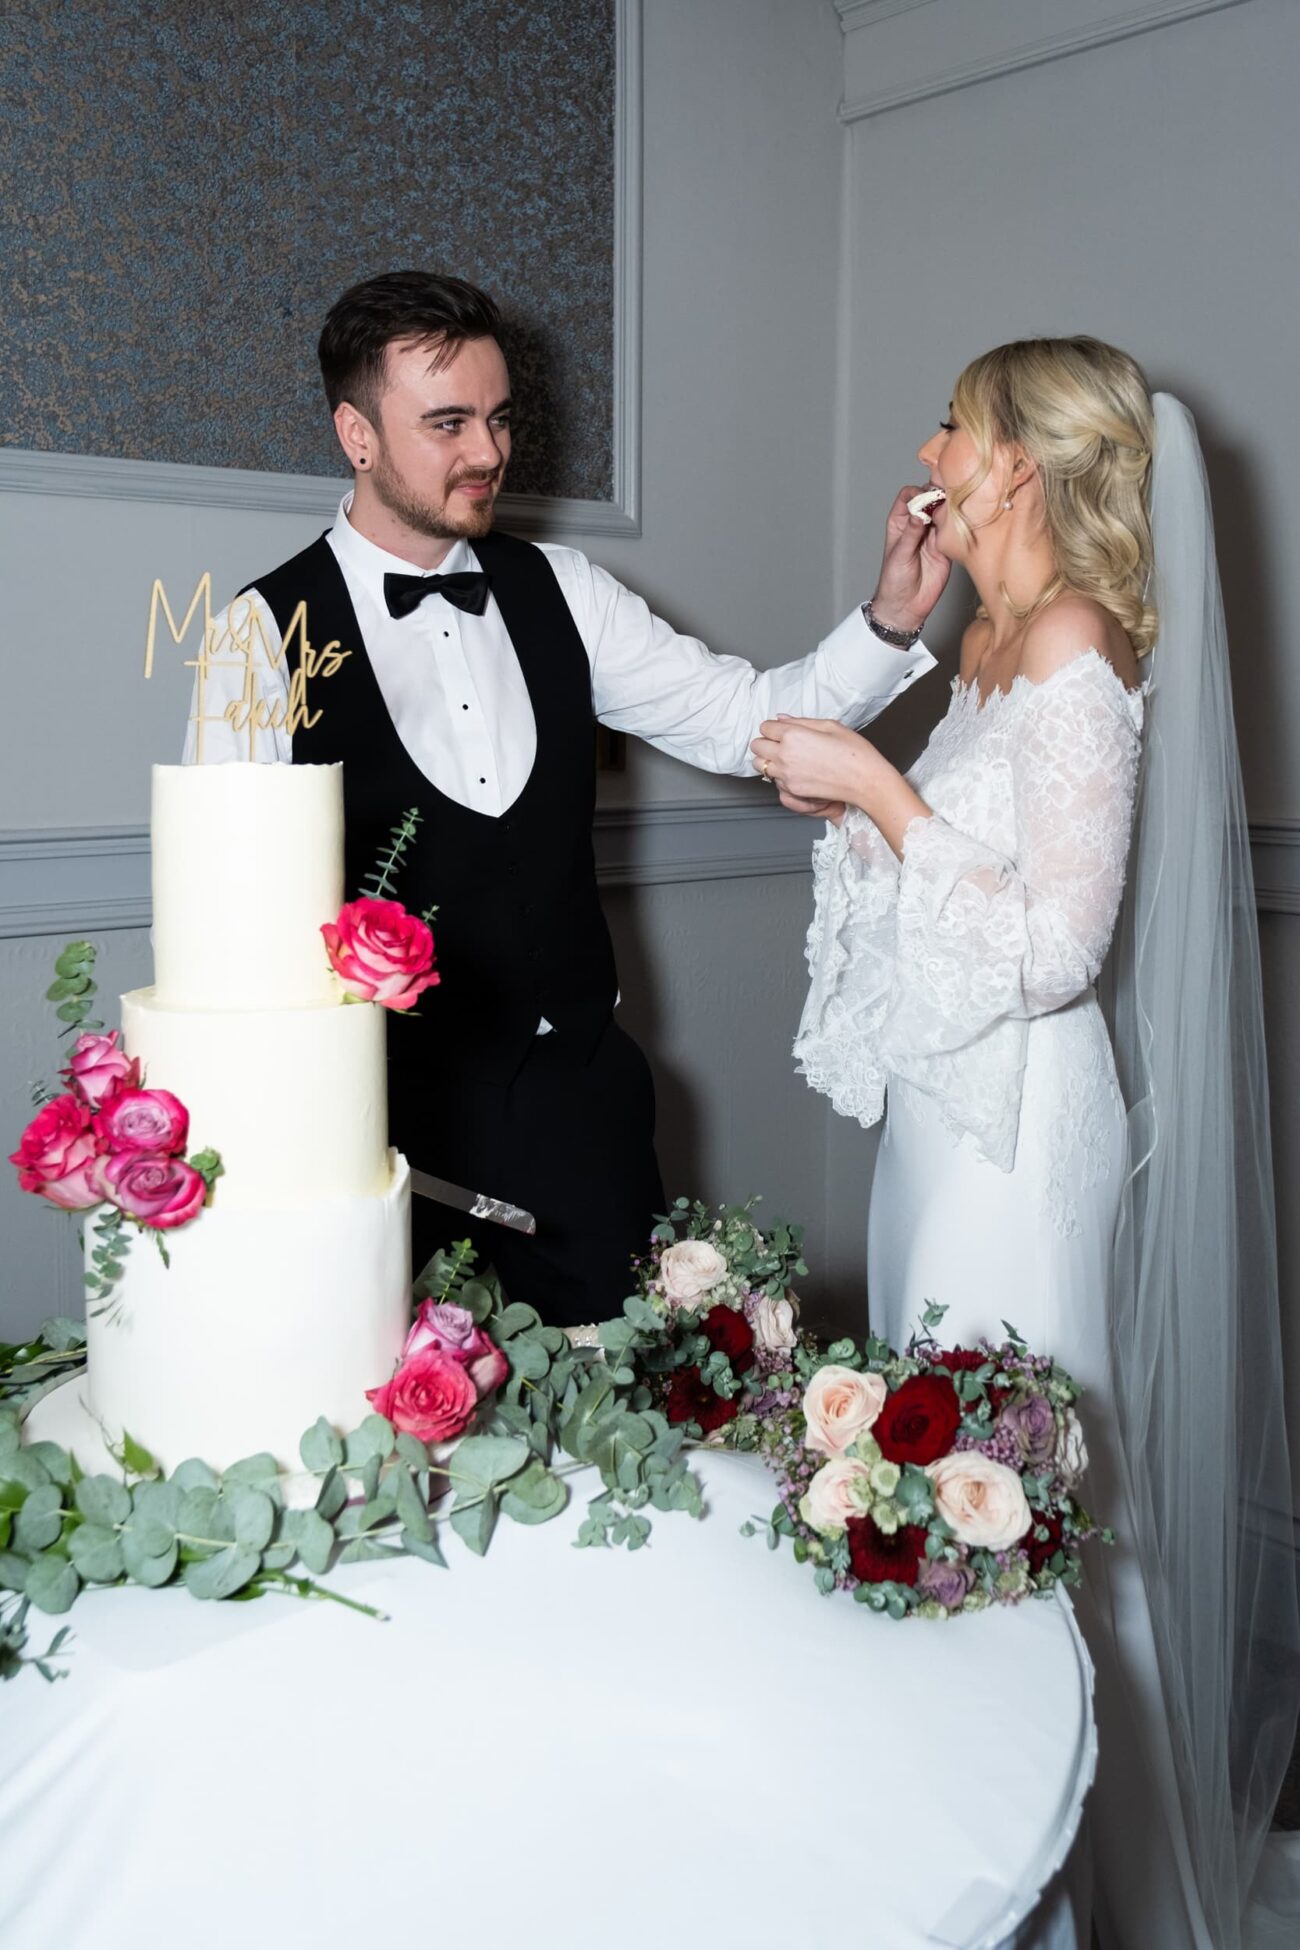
(379, 883)
(74, 988)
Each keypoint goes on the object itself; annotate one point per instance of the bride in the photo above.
(964, 915)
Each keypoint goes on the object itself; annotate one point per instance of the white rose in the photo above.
(982, 1500)
(689, 1269)
(838, 1404)
(774, 1324)
(1071, 1449)
(841, 1489)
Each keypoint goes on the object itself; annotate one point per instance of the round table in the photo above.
(571, 1747)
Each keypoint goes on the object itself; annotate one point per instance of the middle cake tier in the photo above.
(295, 1100)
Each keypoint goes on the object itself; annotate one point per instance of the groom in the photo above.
(487, 661)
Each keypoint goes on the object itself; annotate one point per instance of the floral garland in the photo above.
(927, 1483)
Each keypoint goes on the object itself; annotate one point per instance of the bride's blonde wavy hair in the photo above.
(1082, 411)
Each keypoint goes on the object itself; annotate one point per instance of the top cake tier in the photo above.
(247, 867)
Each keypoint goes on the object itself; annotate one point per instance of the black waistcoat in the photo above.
(519, 930)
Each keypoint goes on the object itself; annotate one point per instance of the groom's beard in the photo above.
(439, 519)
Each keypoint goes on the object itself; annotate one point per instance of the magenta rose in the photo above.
(154, 1188)
(144, 1120)
(99, 1067)
(58, 1155)
(443, 1327)
(380, 952)
(431, 1397)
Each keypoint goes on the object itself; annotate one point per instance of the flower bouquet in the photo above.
(925, 1483)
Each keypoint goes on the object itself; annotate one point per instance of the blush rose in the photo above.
(838, 1405)
(688, 1269)
(982, 1500)
(840, 1490)
(144, 1120)
(774, 1325)
(381, 953)
(431, 1397)
(154, 1188)
(58, 1155)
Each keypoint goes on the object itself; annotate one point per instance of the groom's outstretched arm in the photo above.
(696, 705)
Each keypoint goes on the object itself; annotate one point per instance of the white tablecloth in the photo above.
(684, 1743)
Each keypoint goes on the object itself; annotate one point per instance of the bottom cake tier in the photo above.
(264, 1321)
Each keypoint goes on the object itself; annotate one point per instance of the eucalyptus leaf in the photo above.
(475, 1523)
(97, 1553)
(13, 1571)
(535, 1495)
(146, 1568)
(373, 1438)
(514, 1319)
(528, 1359)
(332, 1496)
(321, 1446)
(481, 1462)
(259, 1472)
(40, 1521)
(194, 1474)
(410, 1508)
(365, 1549)
(23, 1469)
(102, 1499)
(51, 1583)
(314, 1539)
(430, 1552)
(204, 1515)
(253, 1515)
(52, 1458)
(221, 1575)
(412, 1450)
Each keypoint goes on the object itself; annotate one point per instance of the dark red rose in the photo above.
(729, 1333)
(919, 1420)
(690, 1399)
(1043, 1550)
(959, 1360)
(875, 1558)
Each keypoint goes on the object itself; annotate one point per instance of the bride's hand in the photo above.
(815, 760)
(913, 571)
(832, 809)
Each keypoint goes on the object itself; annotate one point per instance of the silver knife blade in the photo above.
(479, 1206)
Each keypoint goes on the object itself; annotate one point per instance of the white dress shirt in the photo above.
(458, 701)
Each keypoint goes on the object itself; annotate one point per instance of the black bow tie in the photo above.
(467, 590)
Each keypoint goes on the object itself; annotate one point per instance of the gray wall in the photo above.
(741, 202)
(1142, 189)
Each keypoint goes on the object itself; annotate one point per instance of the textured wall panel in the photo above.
(184, 191)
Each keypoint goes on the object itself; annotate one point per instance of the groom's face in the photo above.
(443, 437)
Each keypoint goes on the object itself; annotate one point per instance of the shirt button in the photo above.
(464, 707)
(482, 781)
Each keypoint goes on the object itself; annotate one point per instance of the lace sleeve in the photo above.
(984, 942)
(850, 952)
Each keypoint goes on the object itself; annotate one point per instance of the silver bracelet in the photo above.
(897, 639)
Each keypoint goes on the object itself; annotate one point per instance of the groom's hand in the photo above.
(913, 570)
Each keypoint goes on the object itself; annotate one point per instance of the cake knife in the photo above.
(479, 1206)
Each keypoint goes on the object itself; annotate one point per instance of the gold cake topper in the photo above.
(236, 644)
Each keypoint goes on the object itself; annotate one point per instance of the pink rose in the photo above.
(145, 1120)
(58, 1155)
(380, 952)
(100, 1067)
(841, 1489)
(443, 1327)
(158, 1190)
(431, 1397)
(838, 1404)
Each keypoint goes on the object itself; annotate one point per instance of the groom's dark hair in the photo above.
(441, 312)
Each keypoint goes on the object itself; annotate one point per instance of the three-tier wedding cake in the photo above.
(288, 1296)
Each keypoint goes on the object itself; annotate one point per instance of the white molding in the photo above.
(1275, 856)
(27, 471)
(95, 879)
(1013, 60)
(865, 13)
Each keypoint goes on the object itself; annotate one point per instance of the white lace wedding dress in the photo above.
(957, 986)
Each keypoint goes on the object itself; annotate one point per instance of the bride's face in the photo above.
(950, 457)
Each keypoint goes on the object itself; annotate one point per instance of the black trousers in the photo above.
(572, 1142)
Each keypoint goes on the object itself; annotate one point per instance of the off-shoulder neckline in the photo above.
(1135, 699)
